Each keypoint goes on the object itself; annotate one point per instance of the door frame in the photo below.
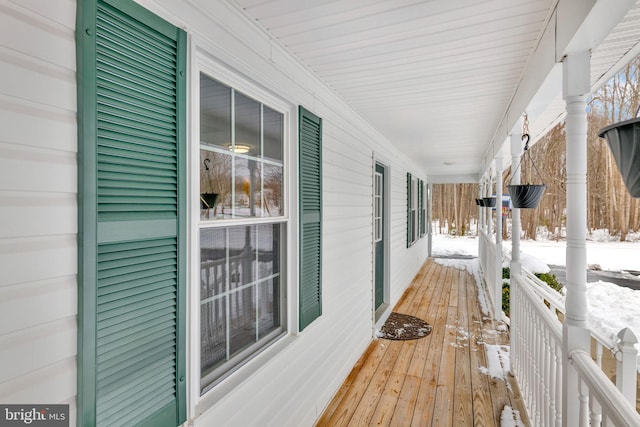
(379, 315)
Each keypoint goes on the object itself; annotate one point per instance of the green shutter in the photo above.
(310, 140)
(131, 109)
(419, 209)
(409, 230)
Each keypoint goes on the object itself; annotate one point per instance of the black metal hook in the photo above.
(525, 138)
(206, 164)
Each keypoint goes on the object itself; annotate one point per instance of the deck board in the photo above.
(433, 381)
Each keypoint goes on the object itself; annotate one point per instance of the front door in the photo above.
(379, 236)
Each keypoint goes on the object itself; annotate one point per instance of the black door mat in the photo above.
(404, 327)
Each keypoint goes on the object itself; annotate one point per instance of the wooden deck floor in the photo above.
(433, 381)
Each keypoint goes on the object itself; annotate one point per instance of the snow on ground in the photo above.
(611, 307)
(510, 418)
(499, 362)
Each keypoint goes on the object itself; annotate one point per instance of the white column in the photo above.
(487, 209)
(576, 86)
(481, 221)
(516, 153)
(516, 228)
(498, 284)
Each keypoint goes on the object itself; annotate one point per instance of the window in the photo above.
(240, 155)
(241, 259)
(416, 209)
(377, 207)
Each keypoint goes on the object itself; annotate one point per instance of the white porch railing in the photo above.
(536, 359)
(536, 334)
(487, 257)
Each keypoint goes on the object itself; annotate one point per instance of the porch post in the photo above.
(516, 153)
(576, 85)
(481, 216)
(487, 193)
(516, 228)
(498, 266)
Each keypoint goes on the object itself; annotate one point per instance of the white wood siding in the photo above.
(38, 207)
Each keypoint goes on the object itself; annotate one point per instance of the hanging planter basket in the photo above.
(489, 202)
(624, 141)
(526, 196)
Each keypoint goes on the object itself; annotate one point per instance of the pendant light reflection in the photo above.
(239, 148)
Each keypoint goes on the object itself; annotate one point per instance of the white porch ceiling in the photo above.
(438, 78)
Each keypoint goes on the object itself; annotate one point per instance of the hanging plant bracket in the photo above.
(526, 196)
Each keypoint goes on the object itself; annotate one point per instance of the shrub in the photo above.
(506, 295)
(549, 278)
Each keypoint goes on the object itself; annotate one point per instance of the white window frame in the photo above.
(202, 62)
(377, 207)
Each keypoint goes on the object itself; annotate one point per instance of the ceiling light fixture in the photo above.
(239, 148)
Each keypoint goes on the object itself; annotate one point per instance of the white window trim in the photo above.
(200, 61)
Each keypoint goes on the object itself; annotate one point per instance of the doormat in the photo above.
(404, 327)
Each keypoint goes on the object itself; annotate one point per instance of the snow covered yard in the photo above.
(611, 307)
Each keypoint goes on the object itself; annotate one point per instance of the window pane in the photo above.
(242, 319)
(268, 306)
(268, 242)
(247, 125)
(213, 262)
(271, 202)
(215, 185)
(215, 113)
(247, 188)
(242, 255)
(213, 316)
(213, 335)
(273, 125)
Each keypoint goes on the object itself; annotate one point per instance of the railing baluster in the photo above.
(626, 370)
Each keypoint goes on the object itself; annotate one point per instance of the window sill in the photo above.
(226, 387)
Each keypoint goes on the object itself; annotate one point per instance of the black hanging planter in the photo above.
(624, 141)
(208, 200)
(489, 202)
(526, 196)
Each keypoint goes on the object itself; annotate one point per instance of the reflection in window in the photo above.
(241, 155)
(241, 167)
(240, 295)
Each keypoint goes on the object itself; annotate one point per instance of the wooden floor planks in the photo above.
(433, 381)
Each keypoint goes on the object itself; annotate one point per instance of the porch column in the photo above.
(576, 85)
(487, 209)
(481, 209)
(516, 153)
(516, 228)
(498, 284)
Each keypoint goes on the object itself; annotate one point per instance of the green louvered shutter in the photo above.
(419, 210)
(131, 99)
(310, 127)
(409, 230)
